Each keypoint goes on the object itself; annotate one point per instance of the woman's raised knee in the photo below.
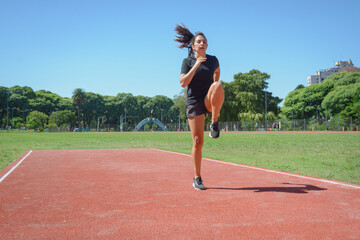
(217, 88)
(217, 85)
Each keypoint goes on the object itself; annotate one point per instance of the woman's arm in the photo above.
(217, 75)
(185, 79)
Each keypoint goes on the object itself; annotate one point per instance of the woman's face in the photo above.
(200, 45)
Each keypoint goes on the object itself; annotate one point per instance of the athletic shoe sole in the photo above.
(212, 136)
(198, 188)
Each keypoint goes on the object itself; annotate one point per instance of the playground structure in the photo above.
(149, 119)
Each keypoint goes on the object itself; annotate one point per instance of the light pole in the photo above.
(98, 126)
(161, 114)
(317, 116)
(56, 109)
(7, 110)
(124, 98)
(265, 110)
(121, 123)
(125, 114)
(12, 112)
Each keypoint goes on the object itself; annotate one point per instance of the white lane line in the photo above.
(269, 170)
(14, 167)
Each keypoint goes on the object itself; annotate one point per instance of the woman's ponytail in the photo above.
(184, 37)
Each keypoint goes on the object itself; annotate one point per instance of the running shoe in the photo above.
(214, 130)
(198, 184)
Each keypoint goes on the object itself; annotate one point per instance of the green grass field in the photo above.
(333, 156)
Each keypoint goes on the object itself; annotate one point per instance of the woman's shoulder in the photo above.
(188, 59)
(212, 58)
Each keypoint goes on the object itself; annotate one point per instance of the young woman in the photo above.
(200, 73)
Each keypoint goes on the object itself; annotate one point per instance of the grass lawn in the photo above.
(333, 156)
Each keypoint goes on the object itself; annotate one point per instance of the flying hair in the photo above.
(185, 37)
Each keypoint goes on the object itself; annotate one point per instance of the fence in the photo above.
(333, 124)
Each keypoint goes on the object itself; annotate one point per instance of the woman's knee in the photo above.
(217, 86)
(217, 90)
(198, 141)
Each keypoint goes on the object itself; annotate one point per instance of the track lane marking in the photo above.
(14, 167)
(268, 170)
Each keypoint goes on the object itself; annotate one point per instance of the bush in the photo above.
(30, 125)
(16, 122)
(37, 119)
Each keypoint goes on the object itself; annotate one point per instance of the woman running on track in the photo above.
(200, 73)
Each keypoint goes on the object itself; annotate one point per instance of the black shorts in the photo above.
(196, 109)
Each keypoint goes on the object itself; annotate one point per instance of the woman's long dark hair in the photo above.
(186, 38)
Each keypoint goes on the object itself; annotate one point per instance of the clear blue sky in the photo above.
(110, 47)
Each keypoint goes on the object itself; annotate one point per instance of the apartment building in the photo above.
(324, 73)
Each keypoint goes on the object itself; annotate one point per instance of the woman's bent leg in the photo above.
(197, 125)
(214, 100)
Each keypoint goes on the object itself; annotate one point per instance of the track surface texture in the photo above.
(148, 194)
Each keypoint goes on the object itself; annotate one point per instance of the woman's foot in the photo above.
(198, 184)
(214, 130)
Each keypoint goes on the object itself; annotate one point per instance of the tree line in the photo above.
(246, 98)
(337, 96)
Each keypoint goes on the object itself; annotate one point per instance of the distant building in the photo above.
(323, 74)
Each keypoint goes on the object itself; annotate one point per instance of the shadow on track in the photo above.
(305, 188)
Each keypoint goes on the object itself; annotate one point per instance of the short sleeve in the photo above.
(185, 67)
(216, 63)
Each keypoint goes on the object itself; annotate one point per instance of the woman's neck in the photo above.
(197, 55)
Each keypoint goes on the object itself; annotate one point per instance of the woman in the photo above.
(200, 73)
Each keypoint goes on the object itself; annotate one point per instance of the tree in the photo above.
(19, 101)
(17, 122)
(93, 107)
(300, 86)
(4, 104)
(45, 101)
(246, 94)
(356, 109)
(305, 102)
(342, 100)
(36, 119)
(65, 118)
(337, 95)
(66, 104)
(179, 108)
(111, 110)
(79, 99)
(23, 91)
(158, 107)
(142, 111)
(128, 106)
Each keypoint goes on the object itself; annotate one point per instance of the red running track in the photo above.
(148, 194)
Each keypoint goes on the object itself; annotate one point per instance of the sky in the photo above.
(110, 47)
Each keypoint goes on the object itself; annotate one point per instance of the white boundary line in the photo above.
(269, 170)
(14, 167)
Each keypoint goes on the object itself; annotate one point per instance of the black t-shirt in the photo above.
(203, 77)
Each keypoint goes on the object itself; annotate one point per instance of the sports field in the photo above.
(334, 156)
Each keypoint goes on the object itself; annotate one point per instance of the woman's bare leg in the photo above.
(197, 125)
(214, 100)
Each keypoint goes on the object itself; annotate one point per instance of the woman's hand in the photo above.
(199, 60)
(185, 79)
